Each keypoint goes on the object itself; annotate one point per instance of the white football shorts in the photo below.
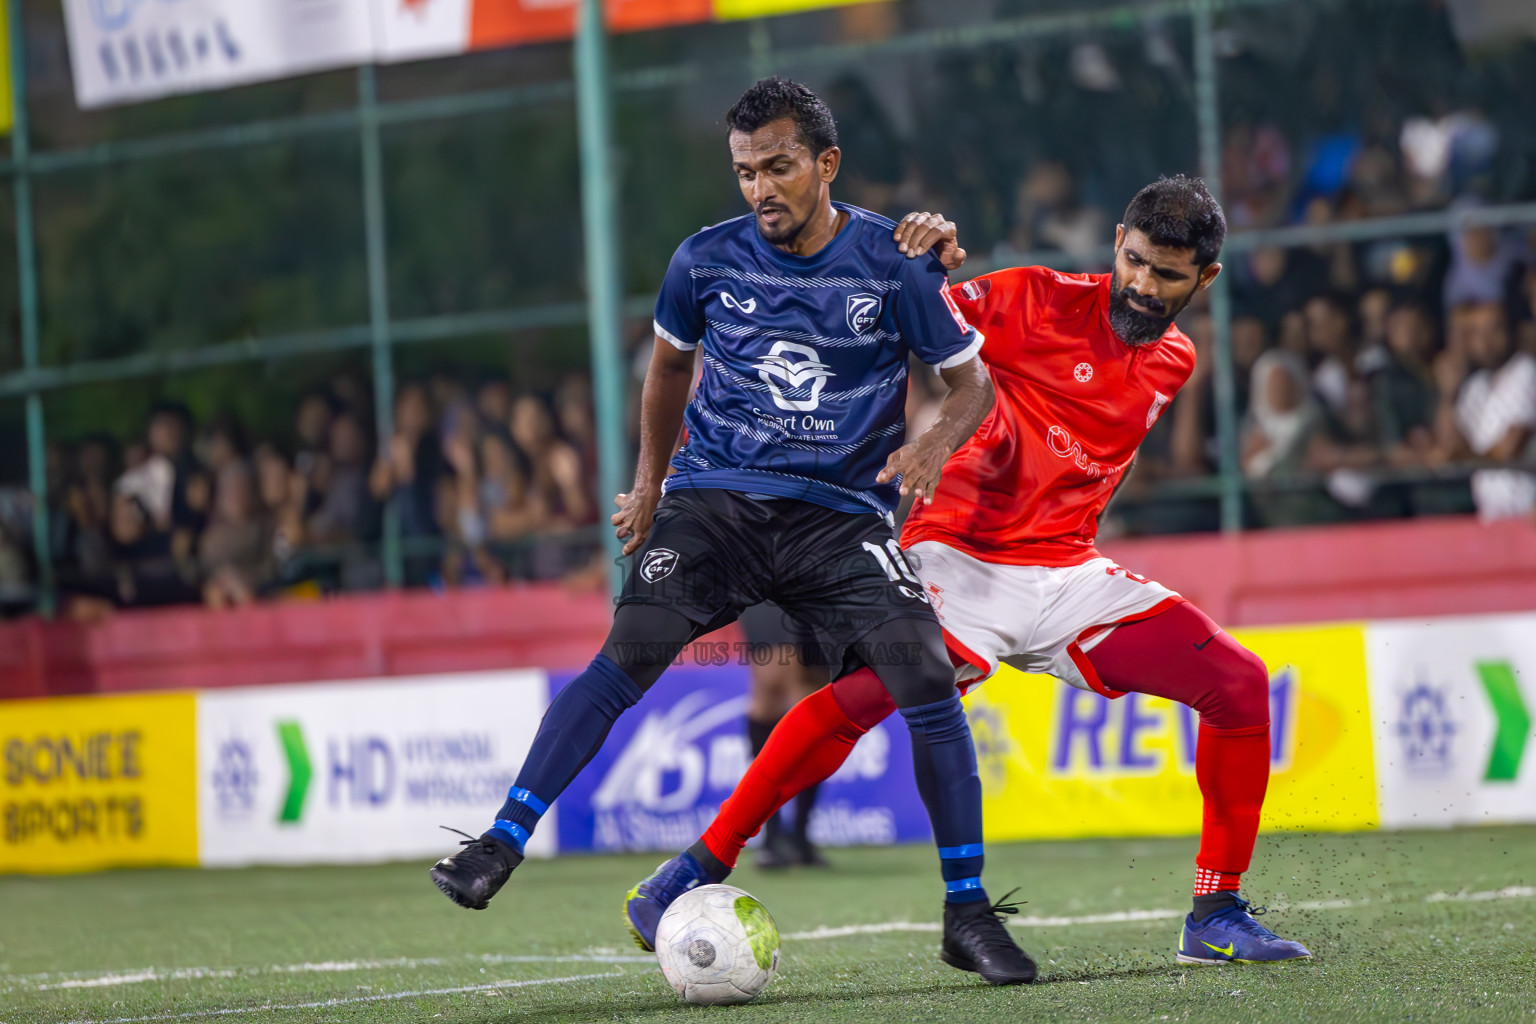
(1037, 618)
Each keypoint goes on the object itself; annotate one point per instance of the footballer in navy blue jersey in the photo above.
(805, 357)
(806, 312)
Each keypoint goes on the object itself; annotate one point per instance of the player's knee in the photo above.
(912, 685)
(645, 639)
(1238, 696)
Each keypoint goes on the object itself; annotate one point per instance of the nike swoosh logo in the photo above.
(1201, 647)
(1217, 949)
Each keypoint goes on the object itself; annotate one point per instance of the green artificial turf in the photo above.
(1429, 926)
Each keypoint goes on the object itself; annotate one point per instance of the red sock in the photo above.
(806, 747)
(1232, 767)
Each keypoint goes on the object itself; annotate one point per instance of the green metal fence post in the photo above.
(600, 237)
(1208, 116)
(378, 301)
(26, 274)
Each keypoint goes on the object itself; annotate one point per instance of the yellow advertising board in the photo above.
(1059, 763)
(729, 10)
(7, 112)
(93, 782)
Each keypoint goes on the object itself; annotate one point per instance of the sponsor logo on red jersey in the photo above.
(1158, 401)
(1063, 444)
(976, 289)
(954, 310)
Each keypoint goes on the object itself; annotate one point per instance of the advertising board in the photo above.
(95, 782)
(361, 771)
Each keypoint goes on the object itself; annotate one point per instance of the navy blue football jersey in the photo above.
(804, 385)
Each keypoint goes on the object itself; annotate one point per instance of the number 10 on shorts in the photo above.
(896, 569)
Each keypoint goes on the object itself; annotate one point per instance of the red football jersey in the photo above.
(1073, 404)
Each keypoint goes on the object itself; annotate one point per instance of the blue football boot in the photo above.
(650, 898)
(1232, 935)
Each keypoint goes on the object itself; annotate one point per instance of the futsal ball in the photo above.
(717, 945)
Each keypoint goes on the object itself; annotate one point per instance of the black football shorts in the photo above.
(712, 553)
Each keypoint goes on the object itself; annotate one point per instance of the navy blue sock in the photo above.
(944, 759)
(572, 731)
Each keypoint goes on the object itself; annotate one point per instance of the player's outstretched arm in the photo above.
(919, 232)
(921, 462)
(662, 402)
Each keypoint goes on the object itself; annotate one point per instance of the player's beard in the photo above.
(782, 233)
(1130, 324)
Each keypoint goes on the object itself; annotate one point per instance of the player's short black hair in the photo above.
(1179, 213)
(772, 98)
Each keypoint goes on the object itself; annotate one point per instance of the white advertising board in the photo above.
(127, 50)
(1451, 710)
(362, 771)
(417, 29)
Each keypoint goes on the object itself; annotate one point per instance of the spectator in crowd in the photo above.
(1281, 415)
(1403, 391)
(312, 431)
(80, 534)
(556, 483)
(345, 508)
(1482, 261)
(491, 504)
(235, 551)
(406, 474)
(1371, 314)
(1049, 214)
(284, 495)
(493, 401)
(145, 569)
(1250, 339)
(1493, 414)
(1271, 282)
(1332, 348)
(573, 413)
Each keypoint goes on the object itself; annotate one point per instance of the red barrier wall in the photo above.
(1428, 567)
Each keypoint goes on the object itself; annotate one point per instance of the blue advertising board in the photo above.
(672, 759)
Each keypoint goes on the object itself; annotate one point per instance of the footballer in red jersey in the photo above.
(1083, 365)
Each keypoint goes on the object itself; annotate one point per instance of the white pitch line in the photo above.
(1116, 917)
(383, 997)
(1129, 916)
(843, 931)
(1508, 893)
(147, 974)
(137, 976)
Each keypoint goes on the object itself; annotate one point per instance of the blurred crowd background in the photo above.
(1373, 376)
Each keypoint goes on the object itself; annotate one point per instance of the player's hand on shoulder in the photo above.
(632, 522)
(920, 232)
(920, 464)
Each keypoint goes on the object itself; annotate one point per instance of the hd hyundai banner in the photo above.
(1452, 705)
(1385, 724)
(367, 770)
(123, 51)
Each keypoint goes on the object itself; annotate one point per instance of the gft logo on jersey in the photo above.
(863, 312)
(781, 371)
(658, 564)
